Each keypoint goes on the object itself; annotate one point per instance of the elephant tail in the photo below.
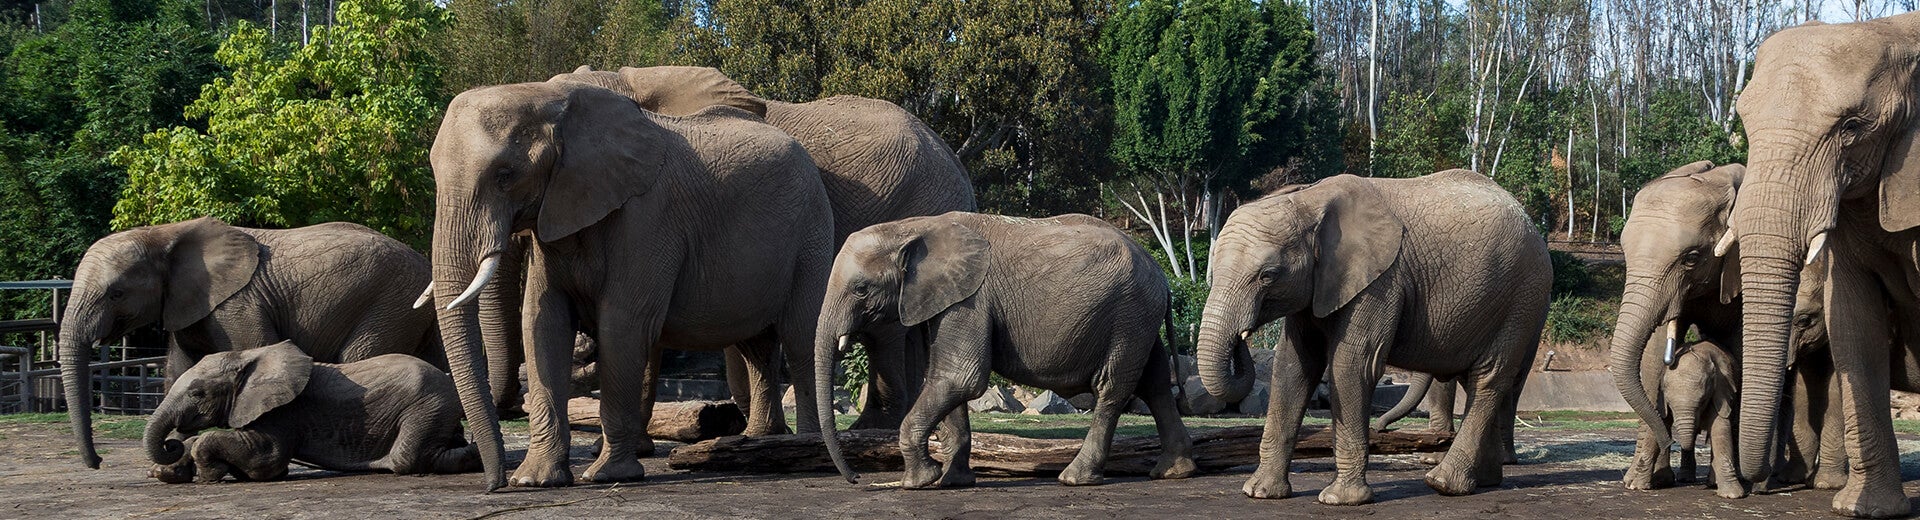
(1416, 390)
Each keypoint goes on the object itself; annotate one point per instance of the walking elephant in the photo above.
(1441, 274)
(878, 162)
(391, 413)
(693, 232)
(1700, 391)
(331, 288)
(1676, 282)
(1831, 126)
(1068, 303)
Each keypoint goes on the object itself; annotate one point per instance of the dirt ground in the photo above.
(1565, 474)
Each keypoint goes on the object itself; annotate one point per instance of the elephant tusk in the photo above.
(1673, 337)
(1816, 246)
(426, 297)
(1726, 242)
(487, 268)
(846, 343)
(1246, 335)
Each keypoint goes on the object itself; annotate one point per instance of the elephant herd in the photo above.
(1770, 306)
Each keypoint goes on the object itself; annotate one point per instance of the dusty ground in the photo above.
(1568, 473)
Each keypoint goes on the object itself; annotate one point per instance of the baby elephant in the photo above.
(1700, 390)
(390, 413)
(1068, 304)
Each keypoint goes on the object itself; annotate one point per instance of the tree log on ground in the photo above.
(1008, 455)
(684, 421)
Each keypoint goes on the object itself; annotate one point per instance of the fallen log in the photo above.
(684, 421)
(1008, 455)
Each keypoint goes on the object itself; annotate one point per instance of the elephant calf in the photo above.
(388, 413)
(1068, 304)
(1702, 389)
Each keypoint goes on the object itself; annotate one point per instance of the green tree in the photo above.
(333, 131)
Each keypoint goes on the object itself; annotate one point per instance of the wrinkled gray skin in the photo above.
(1368, 273)
(1675, 282)
(879, 164)
(690, 232)
(1069, 304)
(333, 288)
(391, 413)
(1700, 391)
(1831, 126)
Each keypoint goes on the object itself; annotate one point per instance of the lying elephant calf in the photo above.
(388, 413)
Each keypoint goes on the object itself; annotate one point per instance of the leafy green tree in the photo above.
(333, 131)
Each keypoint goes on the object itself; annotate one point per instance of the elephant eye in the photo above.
(860, 290)
(1269, 276)
(197, 393)
(1804, 321)
(116, 294)
(1852, 127)
(1692, 257)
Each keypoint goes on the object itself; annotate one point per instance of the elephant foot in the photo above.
(212, 473)
(540, 472)
(1268, 484)
(956, 478)
(921, 474)
(1451, 483)
(641, 448)
(615, 469)
(1859, 501)
(774, 428)
(1643, 480)
(1080, 474)
(1432, 458)
(1733, 489)
(1685, 475)
(1347, 493)
(1830, 479)
(172, 473)
(1174, 468)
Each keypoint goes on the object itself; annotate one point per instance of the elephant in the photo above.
(693, 232)
(391, 413)
(1700, 390)
(1442, 274)
(879, 164)
(215, 288)
(1675, 282)
(1439, 401)
(1833, 167)
(1069, 304)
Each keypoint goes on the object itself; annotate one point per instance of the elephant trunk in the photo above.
(500, 327)
(1780, 207)
(1226, 368)
(161, 449)
(827, 347)
(1416, 390)
(461, 241)
(1685, 428)
(1644, 307)
(80, 331)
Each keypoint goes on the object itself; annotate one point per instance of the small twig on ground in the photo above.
(498, 512)
(1523, 422)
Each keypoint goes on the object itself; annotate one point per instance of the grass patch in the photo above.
(107, 426)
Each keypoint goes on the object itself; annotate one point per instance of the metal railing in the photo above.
(126, 379)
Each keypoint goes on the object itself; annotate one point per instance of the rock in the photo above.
(1049, 403)
(787, 401)
(1256, 402)
(1197, 401)
(1024, 394)
(842, 402)
(1083, 401)
(1185, 366)
(860, 398)
(996, 399)
(1262, 365)
(1138, 407)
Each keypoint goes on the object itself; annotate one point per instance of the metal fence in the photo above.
(127, 377)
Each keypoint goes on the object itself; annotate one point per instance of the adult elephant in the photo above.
(1675, 282)
(878, 162)
(215, 288)
(1831, 127)
(693, 232)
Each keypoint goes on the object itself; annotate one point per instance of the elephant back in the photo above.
(879, 163)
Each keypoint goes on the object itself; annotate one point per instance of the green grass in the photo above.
(108, 426)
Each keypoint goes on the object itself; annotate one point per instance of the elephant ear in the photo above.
(1727, 247)
(941, 263)
(270, 377)
(1900, 181)
(682, 91)
(208, 261)
(1359, 239)
(608, 152)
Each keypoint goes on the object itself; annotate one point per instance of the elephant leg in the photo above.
(1474, 457)
(1112, 392)
(1509, 412)
(246, 454)
(1298, 362)
(1725, 473)
(1831, 469)
(548, 339)
(1796, 459)
(1652, 466)
(1357, 364)
(1688, 470)
(886, 394)
(738, 380)
(626, 346)
(764, 414)
(956, 444)
(1176, 446)
(1859, 332)
(1439, 413)
(649, 394)
(942, 397)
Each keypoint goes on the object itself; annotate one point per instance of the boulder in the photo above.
(1049, 403)
(1083, 401)
(787, 402)
(1024, 394)
(1262, 365)
(842, 402)
(996, 399)
(1256, 402)
(1197, 401)
(1138, 407)
(1185, 366)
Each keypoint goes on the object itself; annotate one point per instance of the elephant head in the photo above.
(1669, 246)
(1830, 121)
(226, 390)
(1305, 248)
(174, 274)
(672, 90)
(908, 272)
(551, 158)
